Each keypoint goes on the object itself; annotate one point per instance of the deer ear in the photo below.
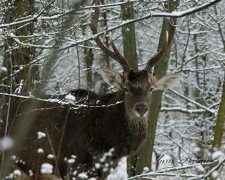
(113, 78)
(166, 81)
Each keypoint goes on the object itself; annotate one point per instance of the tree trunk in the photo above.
(144, 155)
(88, 59)
(129, 39)
(218, 132)
(16, 58)
(130, 54)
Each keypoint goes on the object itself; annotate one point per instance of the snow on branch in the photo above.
(173, 14)
(186, 12)
(62, 102)
(201, 106)
(183, 110)
(165, 172)
(28, 44)
(210, 172)
(34, 18)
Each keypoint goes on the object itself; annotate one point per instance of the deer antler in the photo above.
(164, 49)
(116, 54)
(121, 59)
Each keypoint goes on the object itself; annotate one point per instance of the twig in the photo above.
(203, 107)
(53, 152)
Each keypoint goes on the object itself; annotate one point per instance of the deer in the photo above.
(89, 135)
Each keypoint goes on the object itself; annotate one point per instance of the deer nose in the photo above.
(141, 109)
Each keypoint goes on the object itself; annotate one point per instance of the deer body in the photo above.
(90, 127)
(89, 132)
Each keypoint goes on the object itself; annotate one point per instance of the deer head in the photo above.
(136, 86)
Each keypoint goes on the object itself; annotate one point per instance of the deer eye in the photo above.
(151, 89)
(125, 89)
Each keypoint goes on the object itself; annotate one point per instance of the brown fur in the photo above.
(90, 132)
(88, 129)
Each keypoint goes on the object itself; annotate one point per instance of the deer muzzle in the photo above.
(141, 109)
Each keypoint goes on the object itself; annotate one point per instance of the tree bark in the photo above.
(218, 132)
(16, 58)
(144, 155)
(129, 38)
(130, 54)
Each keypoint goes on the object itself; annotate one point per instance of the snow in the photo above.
(146, 169)
(46, 168)
(6, 143)
(196, 150)
(200, 168)
(173, 139)
(31, 173)
(13, 157)
(83, 176)
(105, 169)
(10, 176)
(217, 154)
(40, 151)
(71, 161)
(120, 172)
(19, 88)
(97, 165)
(70, 98)
(50, 156)
(3, 69)
(17, 172)
(215, 174)
(41, 134)
(73, 156)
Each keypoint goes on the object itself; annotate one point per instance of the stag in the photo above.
(94, 131)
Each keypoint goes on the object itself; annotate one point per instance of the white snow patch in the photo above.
(196, 150)
(41, 134)
(50, 156)
(146, 169)
(200, 168)
(92, 178)
(97, 165)
(31, 173)
(10, 176)
(13, 157)
(40, 150)
(74, 173)
(217, 154)
(71, 161)
(6, 143)
(105, 169)
(83, 176)
(102, 159)
(215, 174)
(73, 156)
(17, 172)
(19, 88)
(120, 172)
(111, 150)
(46, 168)
(70, 98)
(3, 69)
